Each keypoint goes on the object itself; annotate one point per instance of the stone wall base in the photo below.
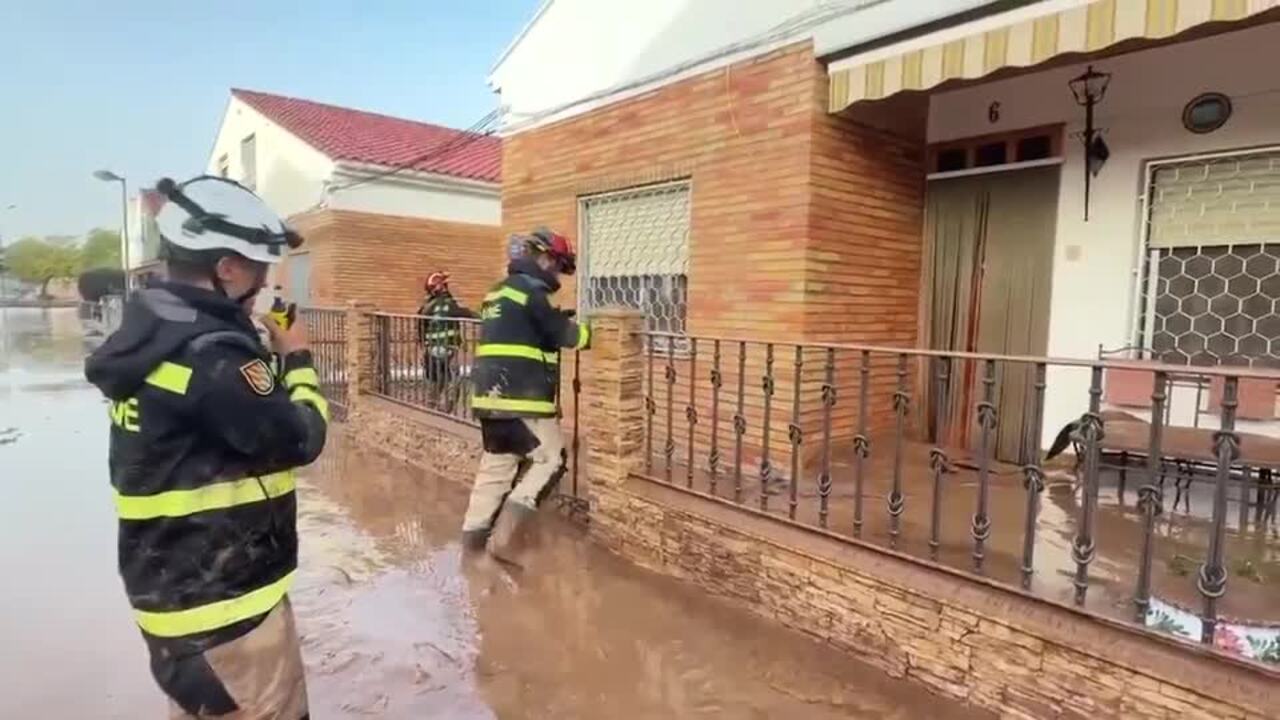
(965, 639)
(447, 447)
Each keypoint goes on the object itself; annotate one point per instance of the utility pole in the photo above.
(4, 267)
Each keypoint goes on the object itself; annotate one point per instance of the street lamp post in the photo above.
(4, 269)
(108, 176)
(1089, 90)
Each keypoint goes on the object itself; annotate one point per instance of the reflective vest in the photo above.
(517, 367)
(440, 328)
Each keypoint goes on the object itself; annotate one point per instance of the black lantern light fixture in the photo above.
(1089, 89)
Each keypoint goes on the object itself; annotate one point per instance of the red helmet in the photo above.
(436, 282)
(557, 246)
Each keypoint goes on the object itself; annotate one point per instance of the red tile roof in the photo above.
(365, 137)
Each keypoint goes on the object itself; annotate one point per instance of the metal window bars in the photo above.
(635, 253)
(962, 476)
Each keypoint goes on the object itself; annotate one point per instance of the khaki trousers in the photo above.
(496, 479)
(262, 672)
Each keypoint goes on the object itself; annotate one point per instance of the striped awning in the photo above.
(1021, 38)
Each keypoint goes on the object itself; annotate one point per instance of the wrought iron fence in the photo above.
(327, 330)
(428, 373)
(939, 455)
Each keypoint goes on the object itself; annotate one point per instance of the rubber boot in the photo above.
(510, 533)
(473, 541)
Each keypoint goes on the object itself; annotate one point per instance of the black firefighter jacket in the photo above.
(204, 440)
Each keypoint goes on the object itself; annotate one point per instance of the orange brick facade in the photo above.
(383, 259)
(804, 226)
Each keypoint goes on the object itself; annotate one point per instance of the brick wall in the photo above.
(383, 259)
(747, 137)
(804, 225)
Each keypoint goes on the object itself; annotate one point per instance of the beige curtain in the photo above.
(988, 268)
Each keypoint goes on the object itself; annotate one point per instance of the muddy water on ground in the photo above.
(395, 624)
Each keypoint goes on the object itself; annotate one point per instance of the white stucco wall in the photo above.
(1095, 262)
(464, 202)
(294, 177)
(291, 173)
(883, 19)
(580, 47)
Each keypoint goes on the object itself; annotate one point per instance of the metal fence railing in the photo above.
(429, 373)
(938, 454)
(327, 329)
(426, 364)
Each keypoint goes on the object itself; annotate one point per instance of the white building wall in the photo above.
(879, 20)
(1095, 263)
(479, 206)
(291, 174)
(577, 48)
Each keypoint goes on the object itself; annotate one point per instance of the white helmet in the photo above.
(210, 213)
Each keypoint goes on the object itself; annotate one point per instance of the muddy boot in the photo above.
(510, 533)
(473, 541)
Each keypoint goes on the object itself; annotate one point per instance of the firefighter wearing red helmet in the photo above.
(516, 381)
(441, 335)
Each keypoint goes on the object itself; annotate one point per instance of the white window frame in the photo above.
(584, 247)
(1144, 282)
(291, 271)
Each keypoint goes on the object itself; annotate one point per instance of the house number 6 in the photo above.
(993, 113)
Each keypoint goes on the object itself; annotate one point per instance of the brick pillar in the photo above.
(613, 397)
(359, 351)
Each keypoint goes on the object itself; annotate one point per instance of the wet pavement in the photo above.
(394, 623)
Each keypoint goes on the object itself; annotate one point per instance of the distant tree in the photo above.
(101, 249)
(41, 260)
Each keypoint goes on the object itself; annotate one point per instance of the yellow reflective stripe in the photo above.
(170, 376)
(485, 402)
(217, 496)
(216, 614)
(528, 352)
(305, 394)
(511, 294)
(302, 376)
(584, 336)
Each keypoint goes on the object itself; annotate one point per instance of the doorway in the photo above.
(988, 267)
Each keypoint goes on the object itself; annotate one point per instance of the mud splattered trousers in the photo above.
(257, 676)
(534, 445)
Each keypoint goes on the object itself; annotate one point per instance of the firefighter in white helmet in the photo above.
(204, 440)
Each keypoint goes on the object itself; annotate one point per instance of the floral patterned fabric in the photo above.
(1255, 642)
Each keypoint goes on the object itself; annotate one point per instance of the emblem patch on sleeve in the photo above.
(259, 377)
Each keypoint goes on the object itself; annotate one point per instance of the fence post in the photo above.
(359, 351)
(613, 397)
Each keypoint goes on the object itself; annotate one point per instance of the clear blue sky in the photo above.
(139, 87)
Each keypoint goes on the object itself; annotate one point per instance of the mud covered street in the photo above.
(395, 624)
